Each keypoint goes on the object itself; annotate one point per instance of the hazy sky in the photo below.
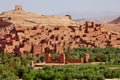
(49, 7)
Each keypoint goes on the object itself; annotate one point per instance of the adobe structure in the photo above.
(18, 8)
(62, 59)
(22, 31)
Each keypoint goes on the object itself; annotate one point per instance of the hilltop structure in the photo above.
(22, 31)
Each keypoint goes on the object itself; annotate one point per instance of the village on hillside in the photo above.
(24, 31)
(41, 47)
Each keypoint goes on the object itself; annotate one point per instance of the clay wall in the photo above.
(74, 60)
(60, 59)
(37, 49)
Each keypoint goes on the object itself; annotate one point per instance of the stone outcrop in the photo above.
(40, 34)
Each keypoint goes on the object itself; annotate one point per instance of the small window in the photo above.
(9, 18)
(34, 28)
(56, 28)
(18, 8)
(62, 38)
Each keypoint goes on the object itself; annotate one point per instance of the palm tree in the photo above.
(27, 53)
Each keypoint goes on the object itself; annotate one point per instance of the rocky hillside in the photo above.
(22, 31)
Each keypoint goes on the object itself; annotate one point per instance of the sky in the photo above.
(57, 7)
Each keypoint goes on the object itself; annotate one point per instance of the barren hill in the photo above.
(22, 18)
(112, 27)
(22, 31)
(115, 21)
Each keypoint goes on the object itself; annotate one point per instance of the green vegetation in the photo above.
(109, 55)
(14, 68)
(79, 72)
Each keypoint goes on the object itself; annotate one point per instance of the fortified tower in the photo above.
(18, 8)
